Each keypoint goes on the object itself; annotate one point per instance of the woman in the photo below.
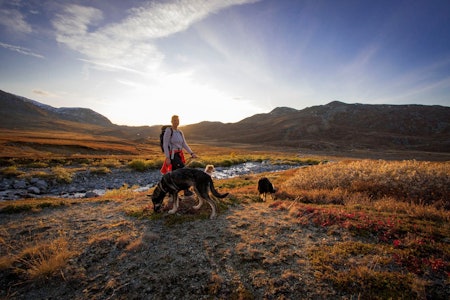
(173, 145)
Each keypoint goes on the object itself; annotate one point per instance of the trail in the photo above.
(249, 251)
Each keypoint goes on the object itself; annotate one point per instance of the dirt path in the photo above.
(249, 251)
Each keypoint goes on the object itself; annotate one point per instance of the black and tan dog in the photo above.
(181, 179)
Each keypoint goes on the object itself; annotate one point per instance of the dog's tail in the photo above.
(214, 191)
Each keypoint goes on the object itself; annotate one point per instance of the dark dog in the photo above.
(265, 187)
(182, 179)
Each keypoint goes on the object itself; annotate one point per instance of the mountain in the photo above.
(20, 112)
(336, 126)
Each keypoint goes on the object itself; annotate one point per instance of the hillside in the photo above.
(339, 126)
(332, 127)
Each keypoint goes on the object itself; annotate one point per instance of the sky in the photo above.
(140, 62)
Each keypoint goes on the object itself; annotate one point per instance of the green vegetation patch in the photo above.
(11, 171)
(18, 207)
(142, 165)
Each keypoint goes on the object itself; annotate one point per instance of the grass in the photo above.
(39, 260)
(408, 181)
(32, 205)
(396, 214)
(388, 220)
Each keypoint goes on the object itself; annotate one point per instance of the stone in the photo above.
(20, 184)
(33, 190)
(90, 195)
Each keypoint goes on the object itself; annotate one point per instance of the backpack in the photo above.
(161, 135)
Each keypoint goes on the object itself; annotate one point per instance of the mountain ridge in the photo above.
(333, 126)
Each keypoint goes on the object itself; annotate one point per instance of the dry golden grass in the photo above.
(48, 144)
(37, 260)
(397, 215)
(417, 182)
(388, 221)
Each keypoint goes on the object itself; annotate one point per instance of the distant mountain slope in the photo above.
(20, 112)
(335, 126)
(339, 126)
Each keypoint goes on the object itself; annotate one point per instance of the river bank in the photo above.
(86, 183)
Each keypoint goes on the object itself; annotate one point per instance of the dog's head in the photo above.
(209, 169)
(157, 198)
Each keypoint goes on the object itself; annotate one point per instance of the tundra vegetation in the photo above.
(384, 224)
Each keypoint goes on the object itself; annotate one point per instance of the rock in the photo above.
(5, 183)
(41, 184)
(91, 195)
(33, 190)
(20, 184)
(33, 180)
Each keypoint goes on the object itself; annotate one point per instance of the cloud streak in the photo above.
(130, 43)
(14, 21)
(21, 50)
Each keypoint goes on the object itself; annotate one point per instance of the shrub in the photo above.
(11, 171)
(110, 163)
(38, 164)
(100, 170)
(139, 165)
(62, 175)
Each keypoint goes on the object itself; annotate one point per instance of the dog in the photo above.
(209, 169)
(181, 179)
(265, 187)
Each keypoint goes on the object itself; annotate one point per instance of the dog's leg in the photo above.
(213, 205)
(175, 201)
(200, 201)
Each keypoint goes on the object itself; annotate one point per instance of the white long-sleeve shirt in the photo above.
(174, 141)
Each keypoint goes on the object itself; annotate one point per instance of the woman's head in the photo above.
(175, 121)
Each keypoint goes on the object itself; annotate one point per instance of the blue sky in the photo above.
(139, 62)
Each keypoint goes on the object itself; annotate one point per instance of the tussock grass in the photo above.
(410, 181)
(62, 174)
(100, 170)
(11, 171)
(122, 194)
(38, 260)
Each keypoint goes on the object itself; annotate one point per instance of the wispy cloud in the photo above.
(21, 50)
(130, 43)
(43, 93)
(110, 67)
(14, 21)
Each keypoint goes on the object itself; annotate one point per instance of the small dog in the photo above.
(209, 169)
(265, 187)
(182, 179)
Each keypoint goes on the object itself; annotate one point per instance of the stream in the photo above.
(87, 184)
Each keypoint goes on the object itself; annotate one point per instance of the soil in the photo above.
(249, 252)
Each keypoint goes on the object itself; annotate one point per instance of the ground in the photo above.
(249, 252)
